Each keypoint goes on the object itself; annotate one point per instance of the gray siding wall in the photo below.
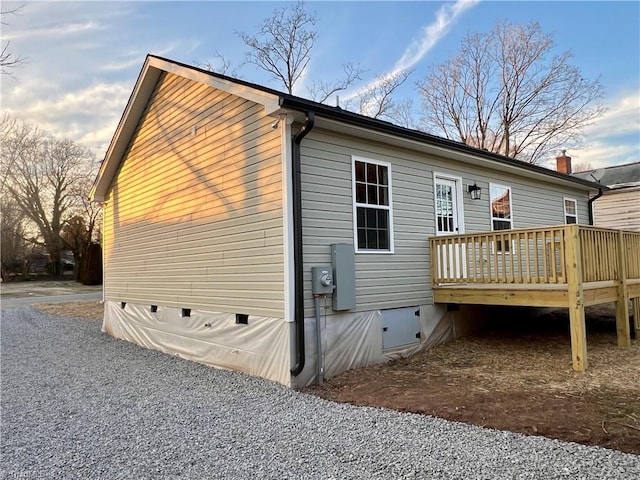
(193, 218)
(403, 278)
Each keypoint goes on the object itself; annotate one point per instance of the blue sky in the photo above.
(82, 58)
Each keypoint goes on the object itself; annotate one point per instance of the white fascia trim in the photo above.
(133, 111)
(152, 69)
(270, 102)
(286, 122)
(629, 185)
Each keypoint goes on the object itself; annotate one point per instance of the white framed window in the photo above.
(570, 210)
(501, 211)
(372, 205)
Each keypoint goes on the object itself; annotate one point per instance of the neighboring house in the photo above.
(38, 263)
(618, 207)
(220, 197)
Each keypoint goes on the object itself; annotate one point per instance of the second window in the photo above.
(372, 205)
(501, 211)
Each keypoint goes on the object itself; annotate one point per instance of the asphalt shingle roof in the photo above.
(615, 175)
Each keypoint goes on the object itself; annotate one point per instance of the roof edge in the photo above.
(145, 84)
(336, 113)
(273, 100)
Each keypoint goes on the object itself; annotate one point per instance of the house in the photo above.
(239, 220)
(619, 205)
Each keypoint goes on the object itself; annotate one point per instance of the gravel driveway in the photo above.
(79, 404)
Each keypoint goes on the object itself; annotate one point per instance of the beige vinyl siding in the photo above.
(402, 279)
(193, 218)
(618, 209)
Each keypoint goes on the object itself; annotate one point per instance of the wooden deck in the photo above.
(569, 266)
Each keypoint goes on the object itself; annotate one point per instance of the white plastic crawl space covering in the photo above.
(261, 347)
(351, 340)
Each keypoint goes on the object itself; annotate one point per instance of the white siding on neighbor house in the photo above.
(618, 209)
(385, 280)
(193, 219)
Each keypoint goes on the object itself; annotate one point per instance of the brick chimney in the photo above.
(563, 163)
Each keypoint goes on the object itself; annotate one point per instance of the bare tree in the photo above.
(582, 167)
(283, 44)
(377, 101)
(402, 113)
(283, 48)
(12, 237)
(82, 230)
(322, 92)
(505, 93)
(41, 174)
(220, 64)
(8, 60)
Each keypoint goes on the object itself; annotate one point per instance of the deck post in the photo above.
(636, 317)
(622, 303)
(575, 298)
(433, 258)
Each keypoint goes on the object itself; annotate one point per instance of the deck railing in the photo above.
(570, 266)
(632, 254)
(535, 255)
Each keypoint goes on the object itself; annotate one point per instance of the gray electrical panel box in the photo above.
(344, 276)
(322, 280)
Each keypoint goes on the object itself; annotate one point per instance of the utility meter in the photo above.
(322, 280)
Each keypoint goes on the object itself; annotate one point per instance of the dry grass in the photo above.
(44, 288)
(91, 309)
(511, 363)
(515, 375)
(537, 356)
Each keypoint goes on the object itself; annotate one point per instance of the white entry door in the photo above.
(449, 221)
(448, 217)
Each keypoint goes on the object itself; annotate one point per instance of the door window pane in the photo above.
(445, 207)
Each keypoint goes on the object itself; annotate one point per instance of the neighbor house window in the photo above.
(570, 210)
(372, 213)
(501, 212)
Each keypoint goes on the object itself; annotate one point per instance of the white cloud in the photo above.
(88, 115)
(600, 154)
(614, 139)
(415, 52)
(432, 34)
(82, 61)
(621, 118)
(135, 58)
(55, 30)
(123, 63)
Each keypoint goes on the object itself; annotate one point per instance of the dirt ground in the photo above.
(509, 378)
(517, 379)
(42, 288)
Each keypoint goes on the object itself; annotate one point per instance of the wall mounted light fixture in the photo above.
(475, 192)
